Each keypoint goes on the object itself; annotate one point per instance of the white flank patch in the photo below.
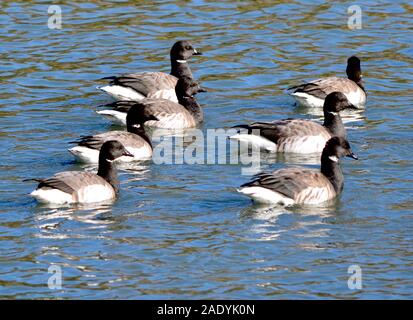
(172, 121)
(313, 195)
(306, 144)
(114, 116)
(168, 94)
(263, 195)
(258, 141)
(122, 93)
(95, 193)
(85, 154)
(51, 196)
(181, 61)
(357, 98)
(138, 154)
(307, 100)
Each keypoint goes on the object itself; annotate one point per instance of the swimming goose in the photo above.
(171, 115)
(135, 139)
(137, 86)
(298, 185)
(313, 93)
(299, 135)
(84, 187)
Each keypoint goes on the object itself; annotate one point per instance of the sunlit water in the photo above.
(182, 231)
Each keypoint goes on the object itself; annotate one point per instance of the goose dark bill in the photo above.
(353, 156)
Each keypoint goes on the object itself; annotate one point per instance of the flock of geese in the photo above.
(160, 100)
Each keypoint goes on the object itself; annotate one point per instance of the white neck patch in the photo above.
(109, 160)
(333, 158)
(333, 113)
(181, 61)
(137, 126)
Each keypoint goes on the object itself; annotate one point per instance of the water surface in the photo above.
(181, 231)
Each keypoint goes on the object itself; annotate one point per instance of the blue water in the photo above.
(182, 231)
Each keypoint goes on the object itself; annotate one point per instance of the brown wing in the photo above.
(72, 181)
(288, 128)
(169, 113)
(128, 139)
(146, 83)
(121, 105)
(300, 184)
(320, 88)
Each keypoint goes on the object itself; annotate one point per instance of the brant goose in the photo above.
(313, 93)
(84, 187)
(299, 135)
(137, 86)
(135, 140)
(171, 115)
(298, 185)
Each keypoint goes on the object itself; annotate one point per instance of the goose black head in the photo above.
(336, 148)
(353, 69)
(183, 50)
(112, 150)
(336, 102)
(137, 116)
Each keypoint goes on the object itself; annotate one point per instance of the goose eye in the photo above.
(188, 48)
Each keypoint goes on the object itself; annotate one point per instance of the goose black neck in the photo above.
(355, 76)
(107, 171)
(139, 131)
(334, 124)
(193, 107)
(332, 171)
(180, 69)
(358, 80)
(360, 84)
